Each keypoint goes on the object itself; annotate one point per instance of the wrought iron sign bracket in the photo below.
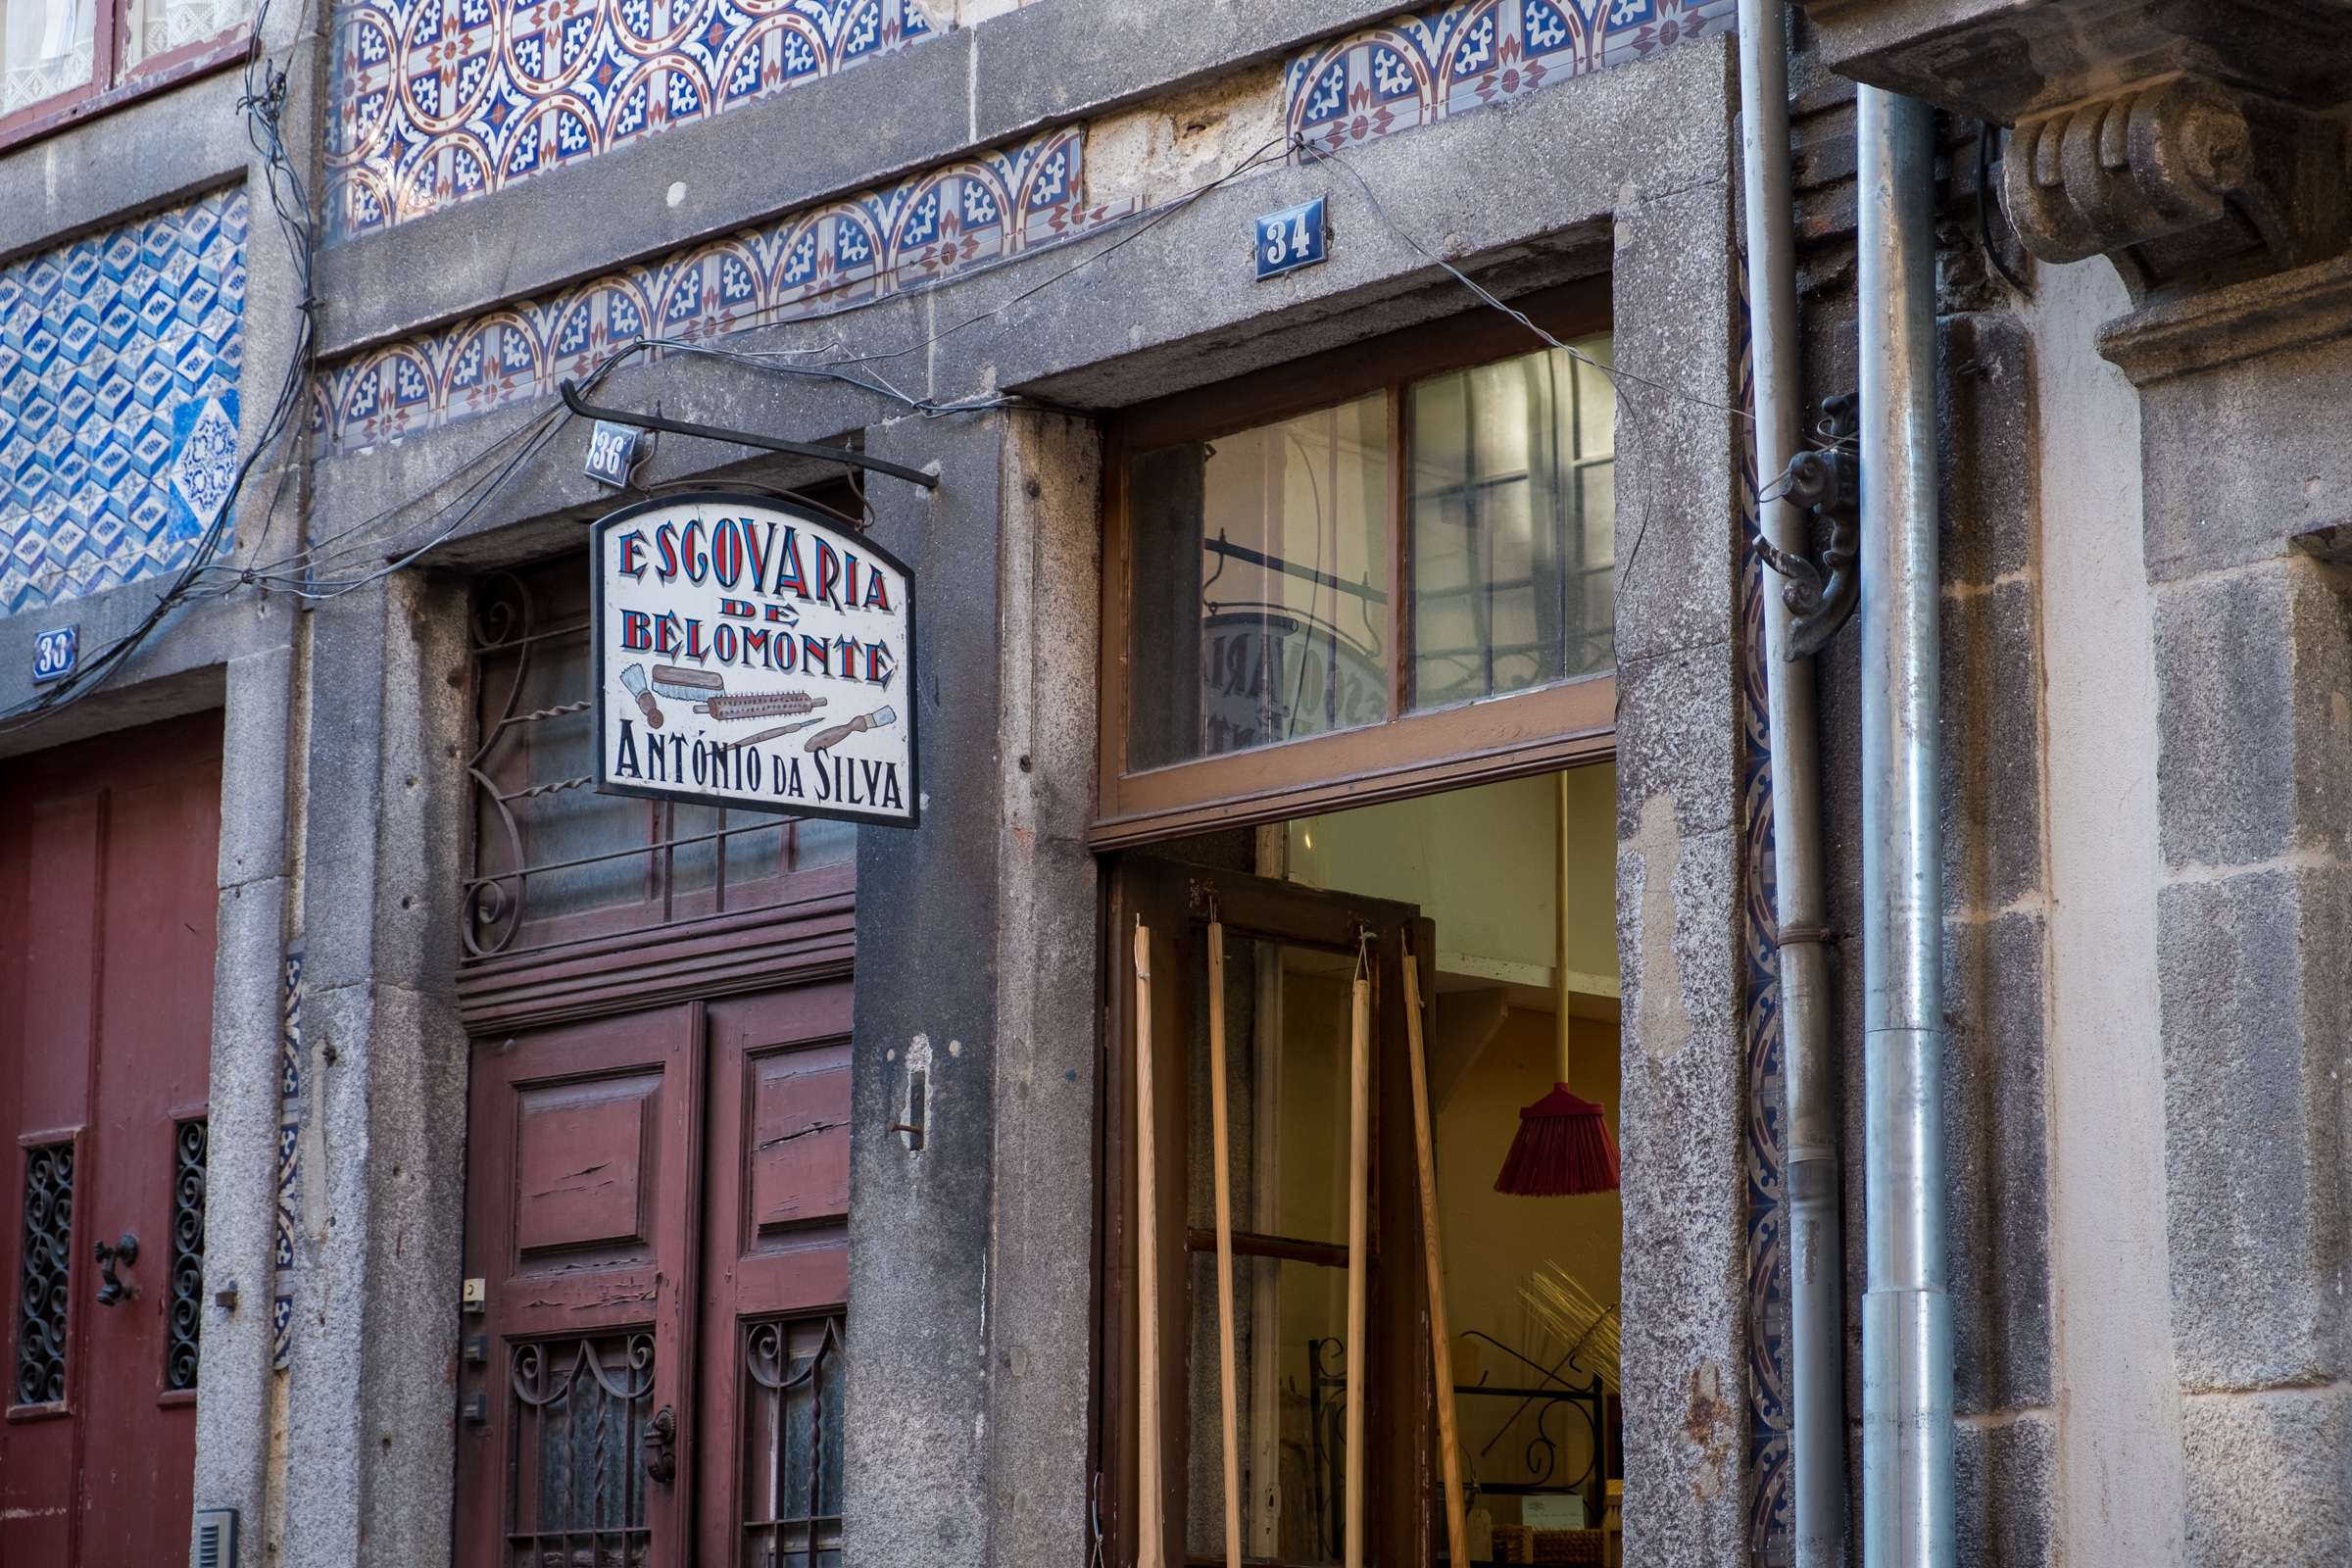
(745, 438)
(1827, 485)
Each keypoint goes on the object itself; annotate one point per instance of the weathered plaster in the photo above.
(2119, 1440)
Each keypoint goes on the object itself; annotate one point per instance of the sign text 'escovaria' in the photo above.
(753, 654)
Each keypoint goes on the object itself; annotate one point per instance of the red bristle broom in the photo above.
(1563, 1148)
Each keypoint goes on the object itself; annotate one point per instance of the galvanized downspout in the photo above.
(1907, 1510)
(1816, 1270)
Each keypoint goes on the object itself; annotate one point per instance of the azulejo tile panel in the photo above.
(1422, 67)
(1771, 1520)
(286, 1263)
(436, 101)
(118, 362)
(937, 224)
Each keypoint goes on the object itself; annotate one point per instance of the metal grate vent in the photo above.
(214, 1544)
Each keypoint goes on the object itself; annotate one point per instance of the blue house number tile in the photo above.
(55, 653)
(1292, 238)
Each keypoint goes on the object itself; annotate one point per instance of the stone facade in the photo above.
(927, 204)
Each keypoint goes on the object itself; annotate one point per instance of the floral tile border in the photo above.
(1423, 67)
(938, 225)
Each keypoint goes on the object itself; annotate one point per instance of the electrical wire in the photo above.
(1615, 374)
(264, 105)
(289, 574)
(308, 573)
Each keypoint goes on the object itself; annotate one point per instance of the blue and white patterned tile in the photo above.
(286, 1260)
(437, 101)
(937, 224)
(112, 350)
(1422, 67)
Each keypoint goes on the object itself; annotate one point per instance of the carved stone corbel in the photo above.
(2176, 178)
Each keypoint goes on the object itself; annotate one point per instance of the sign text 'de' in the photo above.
(755, 655)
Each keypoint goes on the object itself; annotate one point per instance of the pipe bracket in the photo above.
(1828, 484)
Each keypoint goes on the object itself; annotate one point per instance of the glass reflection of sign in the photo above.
(1271, 677)
(1273, 667)
(753, 654)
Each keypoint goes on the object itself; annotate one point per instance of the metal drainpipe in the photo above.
(1816, 1267)
(1906, 1307)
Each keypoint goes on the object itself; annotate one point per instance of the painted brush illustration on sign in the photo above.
(753, 654)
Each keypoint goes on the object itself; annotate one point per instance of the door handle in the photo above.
(662, 1445)
(112, 1290)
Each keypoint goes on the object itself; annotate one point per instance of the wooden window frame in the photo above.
(1176, 899)
(111, 85)
(1530, 731)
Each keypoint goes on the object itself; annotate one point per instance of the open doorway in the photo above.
(1500, 897)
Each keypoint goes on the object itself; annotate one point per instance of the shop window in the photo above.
(554, 860)
(1320, 578)
(63, 57)
(1501, 899)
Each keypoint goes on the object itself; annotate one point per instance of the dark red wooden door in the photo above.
(658, 1217)
(579, 1256)
(108, 874)
(775, 1274)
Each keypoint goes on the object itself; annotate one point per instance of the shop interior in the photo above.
(1516, 879)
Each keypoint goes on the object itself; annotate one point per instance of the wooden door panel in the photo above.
(776, 1276)
(800, 1105)
(107, 877)
(154, 1051)
(585, 1146)
(582, 1152)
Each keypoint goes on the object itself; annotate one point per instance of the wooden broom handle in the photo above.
(1220, 1139)
(1564, 1037)
(1441, 1338)
(1151, 1547)
(1360, 1157)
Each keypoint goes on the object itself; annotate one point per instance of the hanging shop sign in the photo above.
(755, 655)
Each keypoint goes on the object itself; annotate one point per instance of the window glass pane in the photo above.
(1288, 1014)
(1260, 586)
(1513, 525)
(154, 28)
(554, 859)
(48, 50)
(1290, 1322)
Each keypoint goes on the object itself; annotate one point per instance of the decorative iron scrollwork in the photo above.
(1828, 484)
(583, 1421)
(183, 1323)
(47, 1271)
(791, 1435)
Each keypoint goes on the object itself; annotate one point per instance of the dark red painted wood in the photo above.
(585, 1151)
(776, 1226)
(108, 876)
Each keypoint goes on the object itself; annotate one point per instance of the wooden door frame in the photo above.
(1175, 898)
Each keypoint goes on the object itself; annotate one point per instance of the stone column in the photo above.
(1680, 884)
(1997, 938)
(970, 1265)
(2254, 673)
(382, 1169)
(2240, 392)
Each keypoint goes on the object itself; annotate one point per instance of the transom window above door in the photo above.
(1323, 582)
(1319, 580)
